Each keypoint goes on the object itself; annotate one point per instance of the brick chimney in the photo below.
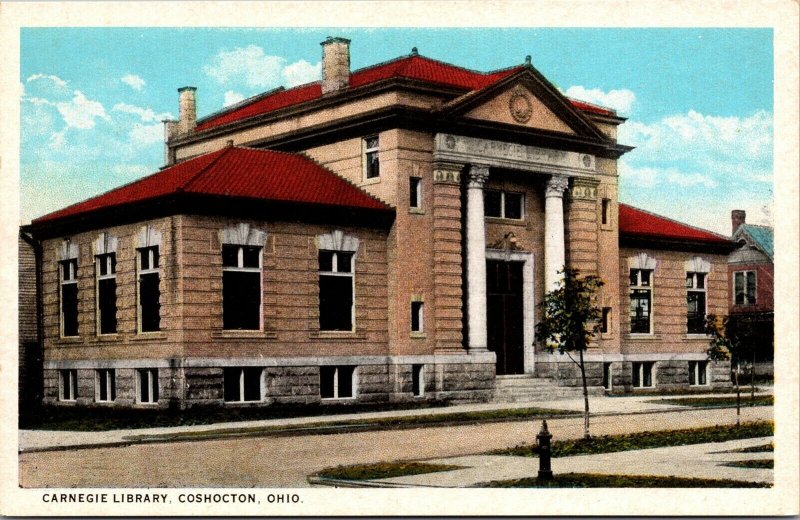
(187, 110)
(737, 219)
(335, 64)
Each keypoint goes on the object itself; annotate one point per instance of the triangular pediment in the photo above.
(525, 99)
(519, 106)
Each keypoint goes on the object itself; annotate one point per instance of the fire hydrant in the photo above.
(543, 441)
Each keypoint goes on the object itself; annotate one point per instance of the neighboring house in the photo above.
(751, 278)
(384, 234)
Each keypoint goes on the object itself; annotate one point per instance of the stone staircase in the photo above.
(525, 387)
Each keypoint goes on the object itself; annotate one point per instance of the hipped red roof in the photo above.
(236, 172)
(415, 67)
(636, 222)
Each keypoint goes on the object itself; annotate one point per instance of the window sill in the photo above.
(107, 337)
(695, 337)
(635, 388)
(70, 340)
(506, 221)
(374, 180)
(336, 399)
(337, 335)
(243, 403)
(418, 335)
(642, 337)
(145, 336)
(699, 386)
(244, 334)
(416, 211)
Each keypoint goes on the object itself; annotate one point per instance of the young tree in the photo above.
(731, 339)
(570, 321)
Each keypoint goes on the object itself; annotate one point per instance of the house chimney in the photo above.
(187, 110)
(335, 64)
(737, 219)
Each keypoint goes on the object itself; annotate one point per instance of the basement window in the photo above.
(242, 384)
(241, 287)
(371, 163)
(337, 382)
(418, 380)
(67, 385)
(106, 269)
(147, 385)
(149, 293)
(69, 297)
(607, 379)
(336, 287)
(105, 385)
(698, 373)
(642, 374)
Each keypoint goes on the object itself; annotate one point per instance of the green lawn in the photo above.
(713, 402)
(594, 480)
(643, 440)
(383, 470)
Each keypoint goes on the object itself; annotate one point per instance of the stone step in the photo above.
(521, 389)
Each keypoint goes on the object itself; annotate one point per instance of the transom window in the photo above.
(337, 382)
(106, 266)
(744, 287)
(69, 297)
(698, 373)
(503, 204)
(149, 293)
(371, 163)
(242, 384)
(696, 302)
(105, 385)
(642, 376)
(641, 295)
(336, 284)
(241, 287)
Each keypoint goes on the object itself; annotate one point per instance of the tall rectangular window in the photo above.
(242, 384)
(336, 290)
(744, 287)
(605, 210)
(641, 292)
(69, 297)
(417, 317)
(695, 302)
(418, 380)
(149, 293)
(503, 204)
(415, 192)
(642, 376)
(337, 382)
(68, 385)
(147, 383)
(698, 373)
(372, 168)
(106, 269)
(241, 287)
(605, 323)
(105, 385)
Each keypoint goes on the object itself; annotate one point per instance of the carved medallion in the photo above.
(520, 107)
(587, 161)
(450, 142)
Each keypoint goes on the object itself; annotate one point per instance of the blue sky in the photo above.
(699, 101)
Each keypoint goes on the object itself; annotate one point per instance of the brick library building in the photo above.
(382, 235)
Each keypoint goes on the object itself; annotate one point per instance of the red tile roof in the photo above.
(636, 222)
(413, 67)
(236, 172)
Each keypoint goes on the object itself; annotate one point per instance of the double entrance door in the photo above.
(504, 316)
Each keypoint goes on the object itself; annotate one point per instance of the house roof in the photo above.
(236, 172)
(762, 236)
(413, 67)
(635, 222)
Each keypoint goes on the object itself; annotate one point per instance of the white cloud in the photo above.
(301, 72)
(641, 177)
(249, 63)
(620, 100)
(130, 171)
(649, 177)
(57, 139)
(251, 67)
(50, 77)
(146, 134)
(133, 81)
(81, 112)
(145, 114)
(231, 98)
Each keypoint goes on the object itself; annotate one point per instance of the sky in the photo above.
(699, 102)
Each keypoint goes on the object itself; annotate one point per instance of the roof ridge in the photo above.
(675, 221)
(246, 101)
(194, 177)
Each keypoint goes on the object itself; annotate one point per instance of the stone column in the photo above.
(476, 259)
(554, 230)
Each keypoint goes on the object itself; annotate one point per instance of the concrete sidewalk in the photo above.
(705, 461)
(39, 440)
